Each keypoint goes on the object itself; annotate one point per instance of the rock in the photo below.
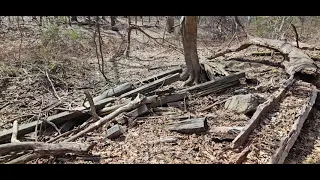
(242, 103)
(115, 131)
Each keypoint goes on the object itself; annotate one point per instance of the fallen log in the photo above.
(212, 69)
(288, 141)
(190, 126)
(132, 115)
(46, 148)
(163, 100)
(262, 109)
(298, 61)
(152, 86)
(25, 158)
(139, 100)
(214, 83)
(123, 88)
(114, 132)
(159, 76)
(217, 89)
(5, 135)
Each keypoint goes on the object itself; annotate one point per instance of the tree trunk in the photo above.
(170, 24)
(189, 39)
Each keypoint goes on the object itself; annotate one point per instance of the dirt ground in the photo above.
(29, 54)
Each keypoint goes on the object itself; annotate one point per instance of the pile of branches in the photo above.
(114, 109)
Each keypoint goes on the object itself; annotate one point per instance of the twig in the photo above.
(14, 132)
(5, 105)
(296, 33)
(52, 86)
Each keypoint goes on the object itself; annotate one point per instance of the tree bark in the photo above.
(193, 72)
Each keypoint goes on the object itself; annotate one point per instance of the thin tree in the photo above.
(193, 73)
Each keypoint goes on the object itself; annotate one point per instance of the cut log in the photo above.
(214, 83)
(114, 132)
(46, 148)
(190, 126)
(298, 61)
(217, 89)
(5, 135)
(131, 116)
(153, 85)
(160, 101)
(123, 88)
(288, 141)
(177, 104)
(262, 109)
(159, 76)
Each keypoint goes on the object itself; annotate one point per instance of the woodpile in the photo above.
(137, 99)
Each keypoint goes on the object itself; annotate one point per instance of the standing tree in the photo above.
(193, 73)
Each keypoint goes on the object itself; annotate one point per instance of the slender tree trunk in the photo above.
(170, 24)
(193, 72)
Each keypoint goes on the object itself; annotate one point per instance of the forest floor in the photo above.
(68, 56)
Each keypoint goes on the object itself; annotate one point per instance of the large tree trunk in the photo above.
(193, 72)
